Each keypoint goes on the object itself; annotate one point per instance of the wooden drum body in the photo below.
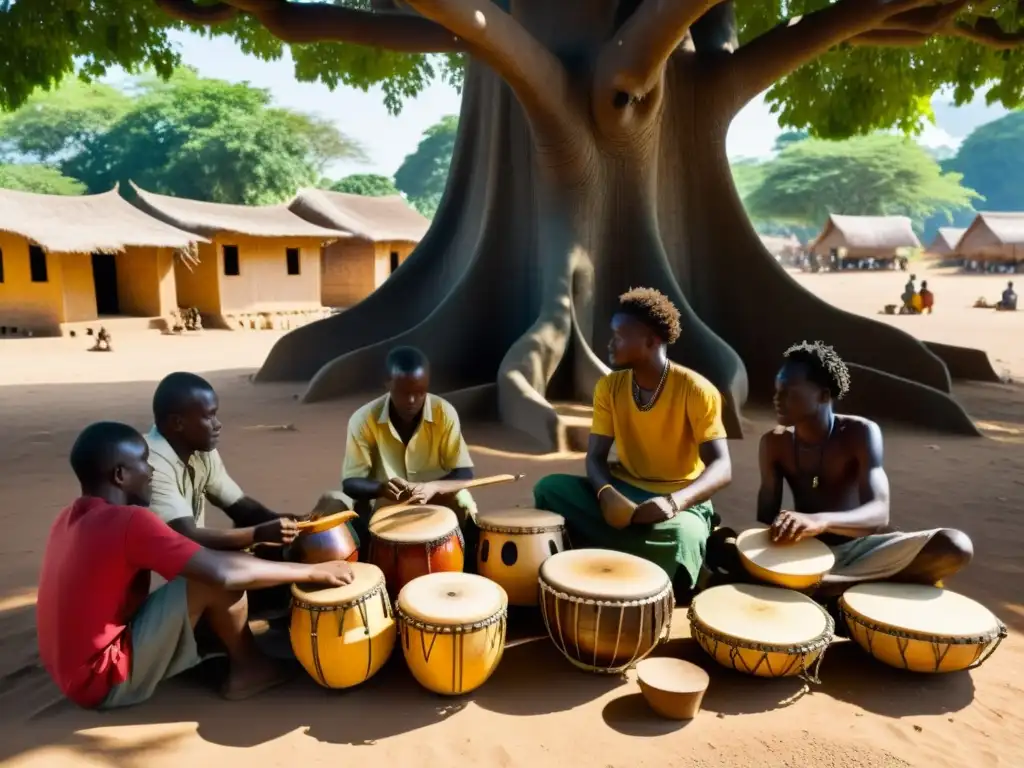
(605, 610)
(408, 542)
(513, 545)
(762, 631)
(800, 565)
(343, 635)
(452, 628)
(920, 628)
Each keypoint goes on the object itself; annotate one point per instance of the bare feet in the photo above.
(251, 678)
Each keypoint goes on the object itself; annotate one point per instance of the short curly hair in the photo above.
(653, 309)
(824, 367)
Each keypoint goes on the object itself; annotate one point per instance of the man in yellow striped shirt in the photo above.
(666, 423)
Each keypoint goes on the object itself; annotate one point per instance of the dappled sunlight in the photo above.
(21, 599)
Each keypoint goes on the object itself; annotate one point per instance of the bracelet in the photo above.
(673, 503)
(604, 488)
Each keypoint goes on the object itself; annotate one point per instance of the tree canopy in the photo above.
(41, 179)
(840, 53)
(366, 184)
(424, 173)
(991, 160)
(878, 175)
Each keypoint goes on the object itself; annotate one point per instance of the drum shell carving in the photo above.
(531, 547)
(343, 646)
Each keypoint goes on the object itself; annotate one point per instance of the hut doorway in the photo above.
(104, 278)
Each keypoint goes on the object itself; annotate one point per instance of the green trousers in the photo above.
(677, 545)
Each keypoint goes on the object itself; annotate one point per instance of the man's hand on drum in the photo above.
(333, 574)
(656, 510)
(281, 530)
(616, 508)
(411, 493)
(790, 527)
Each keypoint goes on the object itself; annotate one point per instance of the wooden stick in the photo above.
(325, 523)
(480, 482)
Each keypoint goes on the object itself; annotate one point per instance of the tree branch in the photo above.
(917, 27)
(633, 61)
(538, 78)
(323, 22)
(776, 53)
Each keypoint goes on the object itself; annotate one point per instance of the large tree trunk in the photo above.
(514, 284)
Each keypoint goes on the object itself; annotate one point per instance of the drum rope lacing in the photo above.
(360, 603)
(800, 653)
(457, 633)
(663, 603)
(941, 646)
(510, 531)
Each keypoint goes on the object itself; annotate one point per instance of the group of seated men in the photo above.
(108, 640)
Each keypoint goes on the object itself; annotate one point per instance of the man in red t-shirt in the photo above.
(103, 638)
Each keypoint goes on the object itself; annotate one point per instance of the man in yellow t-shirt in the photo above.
(666, 423)
(408, 445)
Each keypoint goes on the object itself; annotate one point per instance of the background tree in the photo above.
(41, 179)
(423, 175)
(209, 140)
(366, 184)
(590, 157)
(991, 160)
(51, 126)
(876, 175)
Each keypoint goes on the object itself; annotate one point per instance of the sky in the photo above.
(387, 139)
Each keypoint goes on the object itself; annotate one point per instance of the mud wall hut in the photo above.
(994, 238)
(881, 238)
(73, 259)
(259, 269)
(945, 247)
(384, 231)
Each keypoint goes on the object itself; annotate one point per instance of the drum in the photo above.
(799, 565)
(763, 631)
(513, 544)
(343, 635)
(452, 628)
(324, 539)
(920, 628)
(407, 542)
(605, 610)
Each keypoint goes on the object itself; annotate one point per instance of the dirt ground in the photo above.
(537, 710)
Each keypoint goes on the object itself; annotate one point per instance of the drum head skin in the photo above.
(809, 557)
(920, 609)
(764, 615)
(367, 578)
(410, 525)
(451, 599)
(672, 675)
(526, 519)
(603, 574)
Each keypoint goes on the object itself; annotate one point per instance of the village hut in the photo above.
(785, 249)
(865, 239)
(945, 247)
(260, 267)
(66, 261)
(994, 239)
(384, 231)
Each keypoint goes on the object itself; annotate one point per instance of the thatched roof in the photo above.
(994, 234)
(86, 224)
(378, 219)
(946, 241)
(778, 245)
(881, 234)
(213, 218)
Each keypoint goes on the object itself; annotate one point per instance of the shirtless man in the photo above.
(832, 464)
(104, 638)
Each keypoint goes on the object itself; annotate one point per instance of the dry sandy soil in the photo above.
(537, 710)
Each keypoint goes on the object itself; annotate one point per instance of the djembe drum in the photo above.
(920, 628)
(343, 635)
(513, 545)
(452, 628)
(762, 631)
(799, 565)
(408, 542)
(605, 610)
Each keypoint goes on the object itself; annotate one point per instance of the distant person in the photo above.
(103, 637)
(1009, 300)
(926, 297)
